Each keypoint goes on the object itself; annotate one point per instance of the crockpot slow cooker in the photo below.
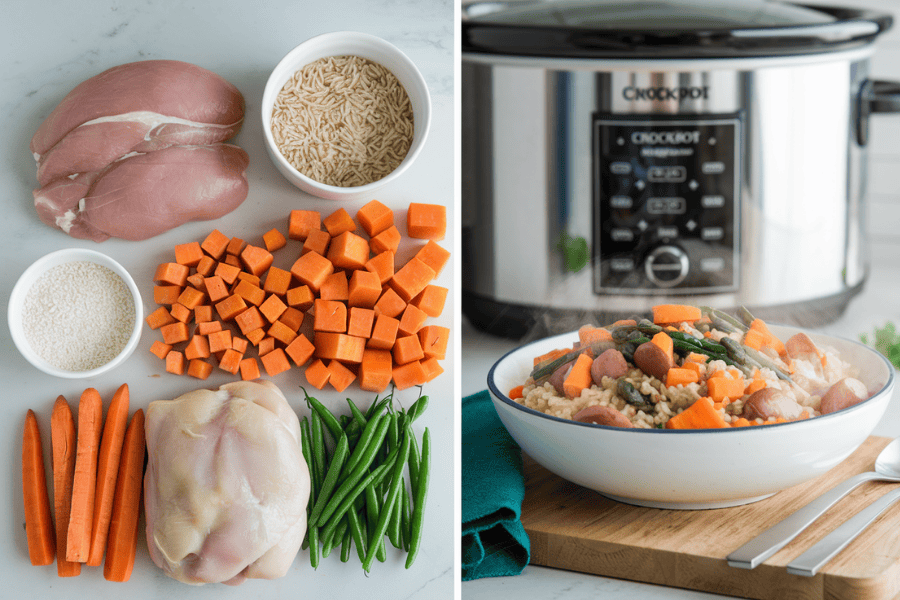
(617, 155)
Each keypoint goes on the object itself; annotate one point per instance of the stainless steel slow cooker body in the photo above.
(605, 185)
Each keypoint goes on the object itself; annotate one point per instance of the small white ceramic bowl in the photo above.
(357, 44)
(31, 275)
(691, 469)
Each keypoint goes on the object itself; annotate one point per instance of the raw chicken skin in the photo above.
(226, 486)
(134, 108)
(144, 195)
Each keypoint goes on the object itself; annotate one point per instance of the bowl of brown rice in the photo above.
(75, 314)
(688, 468)
(344, 114)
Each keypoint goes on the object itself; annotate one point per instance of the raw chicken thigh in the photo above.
(226, 486)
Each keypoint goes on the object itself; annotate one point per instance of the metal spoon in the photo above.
(754, 552)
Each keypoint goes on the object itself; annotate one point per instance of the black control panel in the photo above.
(666, 203)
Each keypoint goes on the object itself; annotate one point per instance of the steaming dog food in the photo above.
(343, 121)
(690, 368)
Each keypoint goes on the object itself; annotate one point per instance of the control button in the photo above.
(693, 185)
(691, 225)
(667, 232)
(639, 184)
(620, 168)
(621, 264)
(712, 233)
(621, 235)
(620, 202)
(642, 225)
(712, 201)
(712, 168)
(667, 266)
(667, 174)
(712, 265)
(666, 206)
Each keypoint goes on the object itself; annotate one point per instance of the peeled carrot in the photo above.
(107, 471)
(123, 524)
(38, 522)
(90, 420)
(62, 437)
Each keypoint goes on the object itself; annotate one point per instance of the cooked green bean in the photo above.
(745, 316)
(390, 501)
(334, 470)
(722, 320)
(418, 514)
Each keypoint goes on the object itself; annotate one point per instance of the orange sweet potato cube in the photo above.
(203, 313)
(317, 374)
(256, 336)
(300, 297)
(175, 362)
(317, 241)
(339, 346)
(335, 287)
(330, 315)
(364, 289)
(375, 370)
(174, 333)
(360, 321)
(411, 320)
(374, 217)
(228, 273)
(311, 269)
(411, 279)
(341, 377)
(188, 254)
(300, 350)
(231, 307)
(281, 332)
(206, 266)
(235, 246)
(197, 347)
(386, 241)
(272, 308)
(191, 298)
(239, 344)
(215, 244)
(274, 240)
(166, 294)
(208, 327)
(431, 300)
(266, 345)
(348, 251)
(253, 294)
(171, 274)
(199, 368)
(433, 255)
(301, 222)
(275, 362)
(338, 222)
(277, 281)
(384, 332)
(180, 312)
(406, 349)
(390, 303)
(216, 289)
(219, 340)
(231, 361)
(434, 339)
(382, 265)
(159, 349)
(257, 260)
(249, 369)
(408, 375)
(159, 317)
(431, 367)
(292, 318)
(249, 319)
(426, 221)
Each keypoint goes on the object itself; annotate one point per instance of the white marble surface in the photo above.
(48, 48)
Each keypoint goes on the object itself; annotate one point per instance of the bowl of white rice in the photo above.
(75, 314)
(691, 468)
(345, 114)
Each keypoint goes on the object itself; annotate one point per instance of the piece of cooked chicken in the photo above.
(226, 486)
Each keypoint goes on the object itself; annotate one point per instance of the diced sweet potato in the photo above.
(231, 307)
(281, 332)
(274, 240)
(166, 294)
(434, 256)
(199, 368)
(374, 217)
(216, 290)
(375, 370)
(249, 319)
(174, 333)
(251, 293)
(188, 254)
(272, 308)
(278, 281)
(348, 251)
(301, 222)
(256, 259)
(317, 241)
(215, 244)
(390, 303)
(426, 221)
(386, 241)
(159, 317)
(219, 340)
(312, 269)
(330, 315)
(231, 361)
(317, 374)
(431, 367)
(434, 339)
(249, 369)
(384, 332)
(411, 320)
(292, 318)
(335, 287)
(338, 222)
(411, 279)
(171, 274)
(382, 264)
(431, 300)
(175, 362)
(275, 362)
(406, 349)
(339, 346)
(159, 349)
(300, 297)
(360, 321)
(364, 289)
(341, 377)
(408, 375)
(300, 350)
(197, 347)
(227, 272)
(235, 246)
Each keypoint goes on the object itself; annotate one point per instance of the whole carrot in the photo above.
(62, 437)
(90, 420)
(123, 526)
(107, 470)
(38, 523)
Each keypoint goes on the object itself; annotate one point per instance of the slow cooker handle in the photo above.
(875, 96)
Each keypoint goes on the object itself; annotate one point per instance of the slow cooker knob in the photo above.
(667, 266)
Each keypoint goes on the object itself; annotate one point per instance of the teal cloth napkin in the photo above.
(494, 543)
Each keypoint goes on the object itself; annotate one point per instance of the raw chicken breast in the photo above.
(135, 107)
(226, 486)
(147, 194)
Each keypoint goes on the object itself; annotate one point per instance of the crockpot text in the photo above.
(666, 93)
(640, 138)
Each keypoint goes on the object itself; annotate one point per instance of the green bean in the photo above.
(346, 502)
(414, 462)
(373, 507)
(762, 361)
(358, 417)
(377, 407)
(404, 516)
(357, 474)
(307, 452)
(394, 431)
(394, 522)
(629, 394)
(418, 514)
(365, 441)
(328, 418)
(734, 349)
(358, 532)
(418, 407)
(314, 547)
(345, 547)
(317, 443)
(331, 478)
(745, 316)
(334, 537)
(722, 320)
(384, 517)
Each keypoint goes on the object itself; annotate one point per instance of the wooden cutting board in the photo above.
(576, 529)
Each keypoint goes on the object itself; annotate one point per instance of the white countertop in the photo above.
(878, 303)
(51, 46)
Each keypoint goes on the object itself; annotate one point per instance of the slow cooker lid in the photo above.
(664, 28)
